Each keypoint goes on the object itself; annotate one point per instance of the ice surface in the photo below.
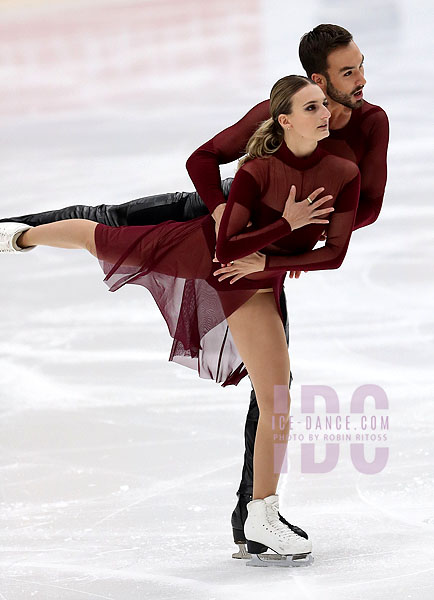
(119, 469)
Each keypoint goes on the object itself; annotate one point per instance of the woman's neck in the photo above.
(299, 146)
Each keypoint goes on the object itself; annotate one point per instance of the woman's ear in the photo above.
(284, 121)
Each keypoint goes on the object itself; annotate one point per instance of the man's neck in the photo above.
(340, 115)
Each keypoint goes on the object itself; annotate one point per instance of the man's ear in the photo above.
(319, 80)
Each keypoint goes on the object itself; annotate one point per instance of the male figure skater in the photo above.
(359, 131)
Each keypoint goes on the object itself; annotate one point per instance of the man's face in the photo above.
(345, 76)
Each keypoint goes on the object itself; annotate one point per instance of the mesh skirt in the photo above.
(173, 260)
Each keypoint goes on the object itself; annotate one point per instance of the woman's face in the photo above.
(310, 116)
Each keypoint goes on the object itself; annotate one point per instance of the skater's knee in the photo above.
(89, 237)
(274, 400)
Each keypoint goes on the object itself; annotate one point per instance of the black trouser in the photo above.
(177, 206)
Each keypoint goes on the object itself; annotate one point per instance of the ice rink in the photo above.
(118, 468)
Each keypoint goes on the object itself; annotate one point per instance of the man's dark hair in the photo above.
(316, 45)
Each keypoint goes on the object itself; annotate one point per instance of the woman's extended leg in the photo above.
(263, 348)
(264, 352)
(72, 233)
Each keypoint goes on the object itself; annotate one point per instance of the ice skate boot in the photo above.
(238, 519)
(9, 233)
(264, 530)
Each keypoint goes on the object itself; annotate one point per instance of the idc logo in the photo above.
(322, 423)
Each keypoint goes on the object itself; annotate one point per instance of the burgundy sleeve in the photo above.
(339, 232)
(225, 147)
(373, 169)
(231, 244)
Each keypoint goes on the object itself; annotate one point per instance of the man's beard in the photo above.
(337, 96)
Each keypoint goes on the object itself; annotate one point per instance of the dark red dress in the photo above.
(173, 260)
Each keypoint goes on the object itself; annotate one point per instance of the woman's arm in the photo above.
(232, 243)
(339, 234)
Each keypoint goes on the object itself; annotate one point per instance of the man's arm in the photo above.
(203, 165)
(373, 169)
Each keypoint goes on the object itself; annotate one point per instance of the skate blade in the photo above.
(242, 552)
(279, 560)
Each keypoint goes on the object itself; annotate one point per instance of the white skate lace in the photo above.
(283, 532)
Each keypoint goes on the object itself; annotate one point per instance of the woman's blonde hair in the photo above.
(269, 135)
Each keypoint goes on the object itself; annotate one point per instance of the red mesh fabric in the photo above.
(259, 193)
(174, 262)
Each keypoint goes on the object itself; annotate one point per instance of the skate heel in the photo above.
(256, 547)
(9, 234)
(239, 537)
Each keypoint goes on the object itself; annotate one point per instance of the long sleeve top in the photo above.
(364, 141)
(259, 193)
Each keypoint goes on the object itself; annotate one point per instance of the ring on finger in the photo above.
(309, 200)
(231, 263)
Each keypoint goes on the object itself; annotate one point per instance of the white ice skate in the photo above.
(264, 531)
(9, 233)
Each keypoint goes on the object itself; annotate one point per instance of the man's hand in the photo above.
(242, 266)
(323, 236)
(217, 216)
(218, 213)
(296, 274)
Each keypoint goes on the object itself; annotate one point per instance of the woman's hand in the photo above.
(249, 264)
(242, 266)
(299, 214)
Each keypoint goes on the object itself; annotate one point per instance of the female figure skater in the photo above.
(209, 317)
